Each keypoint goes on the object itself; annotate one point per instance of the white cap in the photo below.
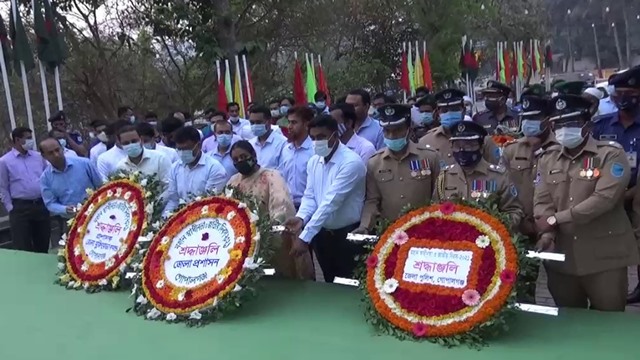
(595, 92)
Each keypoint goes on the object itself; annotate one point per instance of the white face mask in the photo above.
(321, 147)
(569, 137)
(29, 144)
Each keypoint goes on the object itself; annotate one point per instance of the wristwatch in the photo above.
(551, 220)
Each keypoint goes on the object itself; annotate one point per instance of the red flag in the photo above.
(507, 64)
(404, 74)
(222, 96)
(534, 65)
(548, 56)
(514, 65)
(322, 83)
(298, 87)
(426, 70)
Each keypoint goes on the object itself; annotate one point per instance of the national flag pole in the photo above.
(246, 78)
(23, 72)
(238, 96)
(404, 50)
(218, 70)
(7, 88)
(43, 76)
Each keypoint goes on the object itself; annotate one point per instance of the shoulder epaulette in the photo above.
(426, 147)
(599, 118)
(497, 168)
(610, 143)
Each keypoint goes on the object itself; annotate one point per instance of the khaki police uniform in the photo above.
(482, 181)
(438, 140)
(585, 194)
(393, 184)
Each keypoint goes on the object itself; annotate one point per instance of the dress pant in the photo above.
(605, 291)
(289, 266)
(30, 225)
(336, 255)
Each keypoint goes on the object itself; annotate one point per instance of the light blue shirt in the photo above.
(334, 196)
(372, 131)
(68, 187)
(226, 161)
(607, 106)
(269, 153)
(293, 167)
(185, 182)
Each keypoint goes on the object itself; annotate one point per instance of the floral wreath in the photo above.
(221, 240)
(445, 273)
(91, 259)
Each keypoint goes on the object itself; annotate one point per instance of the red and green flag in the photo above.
(21, 47)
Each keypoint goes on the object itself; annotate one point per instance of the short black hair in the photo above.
(423, 89)
(232, 104)
(123, 110)
(303, 112)
(126, 129)
(20, 132)
(427, 100)
(341, 99)
(215, 127)
(186, 133)
(151, 115)
(320, 95)
(97, 123)
(274, 101)
(348, 111)
(145, 129)
(261, 109)
(246, 146)
(114, 127)
(364, 94)
(324, 121)
(386, 98)
(290, 99)
(170, 124)
(219, 113)
(53, 131)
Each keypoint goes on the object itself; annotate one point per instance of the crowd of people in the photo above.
(567, 180)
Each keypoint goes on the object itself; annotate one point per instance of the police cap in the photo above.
(568, 107)
(394, 114)
(628, 79)
(58, 117)
(450, 97)
(497, 87)
(467, 130)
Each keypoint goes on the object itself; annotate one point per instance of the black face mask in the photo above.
(245, 167)
(492, 105)
(467, 158)
(628, 103)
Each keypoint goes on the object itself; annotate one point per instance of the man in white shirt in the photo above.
(147, 135)
(345, 115)
(148, 162)
(210, 144)
(238, 124)
(195, 174)
(332, 202)
(267, 143)
(108, 161)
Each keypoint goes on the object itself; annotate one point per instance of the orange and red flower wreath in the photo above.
(172, 299)
(81, 270)
(427, 310)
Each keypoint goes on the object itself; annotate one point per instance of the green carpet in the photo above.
(308, 321)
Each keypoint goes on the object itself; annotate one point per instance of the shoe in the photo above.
(634, 296)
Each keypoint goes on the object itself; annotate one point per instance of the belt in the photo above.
(27, 201)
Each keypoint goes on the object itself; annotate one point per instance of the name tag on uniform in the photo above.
(487, 126)
(632, 156)
(608, 137)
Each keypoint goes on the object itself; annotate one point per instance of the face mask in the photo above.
(321, 147)
(28, 144)
(342, 128)
(92, 135)
(449, 118)
(509, 102)
(133, 150)
(63, 142)
(245, 167)
(321, 105)
(186, 156)
(150, 146)
(492, 105)
(275, 113)
(234, 119)
(611, 89)
(375, 114)
(153, 123)
(569, 137)
(103, 137)
(259, 129)
(224, 140)
(426, 118)
(395, 144)
(628, 103)
(467, 158)
(283, 110)
(531, 128)
(132, 119)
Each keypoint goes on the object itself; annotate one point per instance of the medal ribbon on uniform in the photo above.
(413, 164)
(425, 167)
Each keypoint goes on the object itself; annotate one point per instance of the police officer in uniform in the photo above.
(472, 177)
(450, 109)
(73, 139)
(579, 211)
(498, 118)
(520, 157)
(623, 127)
(401, 174)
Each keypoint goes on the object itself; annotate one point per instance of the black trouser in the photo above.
(30, 225)
(336, 255)
(530, 278)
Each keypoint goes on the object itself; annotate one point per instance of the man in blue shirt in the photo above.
(64, 182)
(623, 127)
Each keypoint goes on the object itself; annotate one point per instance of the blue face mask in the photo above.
(449, 118)
(426, 118)
(375, 114)
(63, 143)
(395, 144)
(186, 156)
(259, 129)
(531, 128)
(224, 140)
(284, 109)
(133, 150)
(321, 105)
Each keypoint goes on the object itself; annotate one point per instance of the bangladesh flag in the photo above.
(51, 49)
(4, 39)
(21, 48)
